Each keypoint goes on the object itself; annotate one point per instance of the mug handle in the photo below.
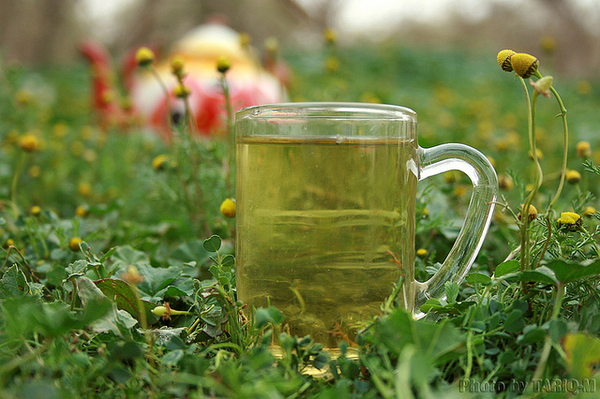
(447, 157)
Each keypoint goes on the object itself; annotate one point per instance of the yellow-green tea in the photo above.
(324, 226)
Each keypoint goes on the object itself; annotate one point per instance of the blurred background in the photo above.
(46, 31)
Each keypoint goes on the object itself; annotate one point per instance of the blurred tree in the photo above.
(575, 40)
(38, 31)
(162, 22)
(525, 26)
(47, 31)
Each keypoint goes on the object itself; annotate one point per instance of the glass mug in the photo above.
(326, 198)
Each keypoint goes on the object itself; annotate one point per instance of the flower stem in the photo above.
(15, 184)
(167, 97)
(539, 175)
(563, 115)
(191, 145)
(547, 241)
(230, 134)
(560, 295)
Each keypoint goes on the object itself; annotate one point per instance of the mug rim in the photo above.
(327, 110)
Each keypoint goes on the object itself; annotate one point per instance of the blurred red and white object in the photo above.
(249, 82)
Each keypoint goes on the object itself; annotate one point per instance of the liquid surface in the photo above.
(325, 227)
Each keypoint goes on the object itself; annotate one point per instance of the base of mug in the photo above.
(334, 354)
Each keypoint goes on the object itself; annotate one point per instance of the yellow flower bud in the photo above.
(24, 97)
(84, 189)
(505, 182)
(570, 221)
(108, 96)
(572, 176)
(524, 65)
(82, 211)
(459, 191)
(589, 211)
(132, 275)
(160, 162)
(29, 142)
(421, 252)
(177, 66)
(223, 64)
(181, 91)
(144, 56)
(74, 244)
(329, 36)
(539, 154)
(35, 210)
(569, 217)
(532, 214)
(228, 208)
(584, 150)
(504, 60)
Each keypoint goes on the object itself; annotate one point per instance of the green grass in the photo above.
(71, 326)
